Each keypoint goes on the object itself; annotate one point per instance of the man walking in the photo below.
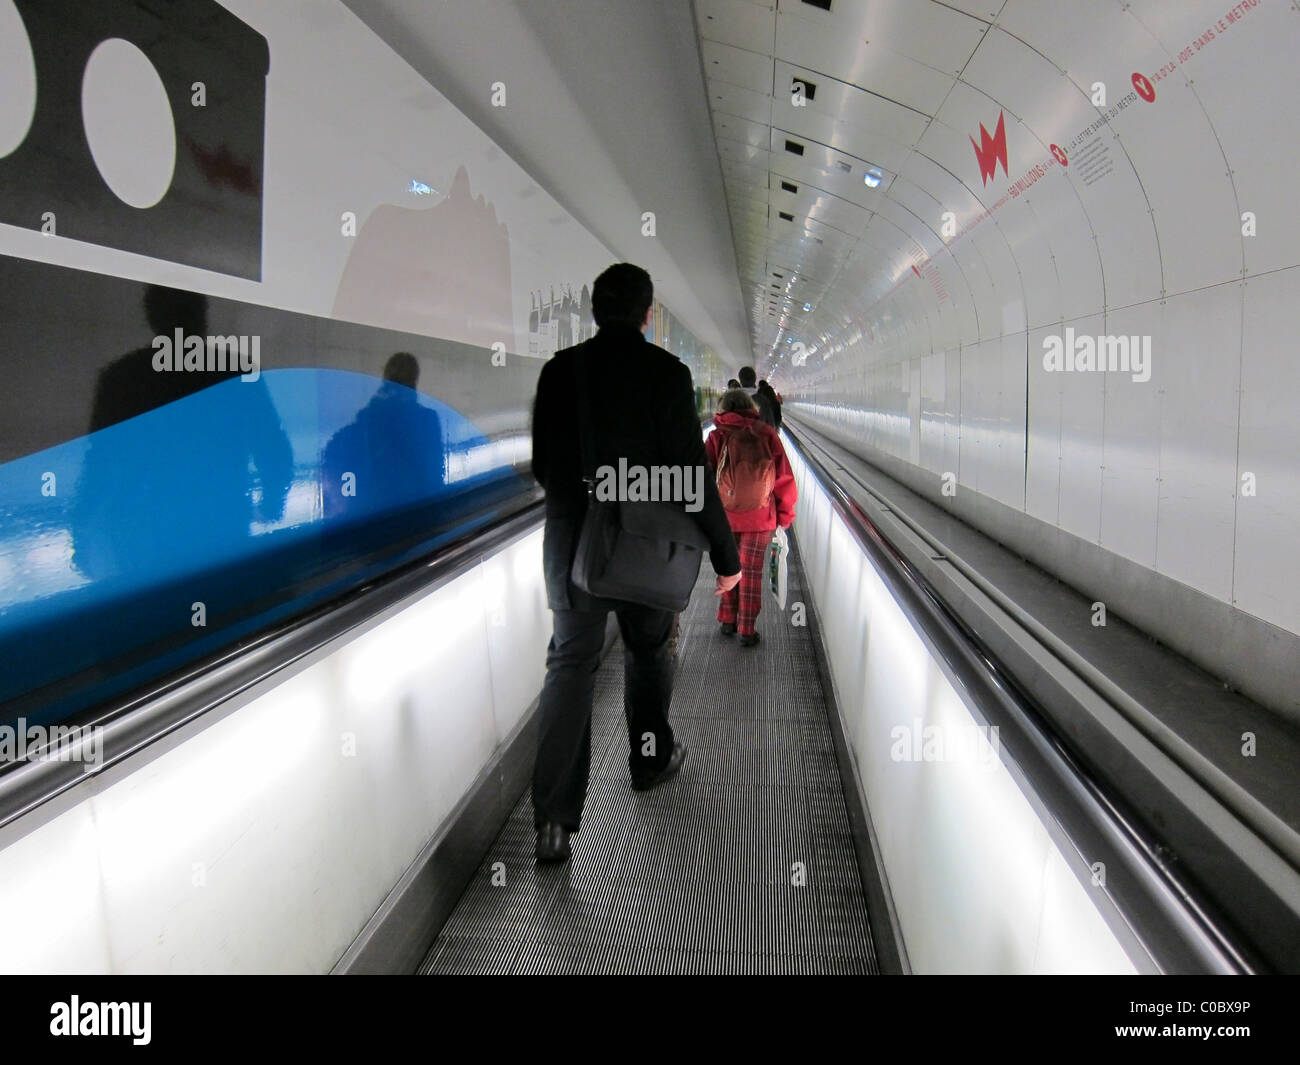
(642, 411)
(766, 408)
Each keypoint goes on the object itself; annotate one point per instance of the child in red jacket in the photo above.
(738, 609)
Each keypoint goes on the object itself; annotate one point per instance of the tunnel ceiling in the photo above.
(809, 102)
(947, 106)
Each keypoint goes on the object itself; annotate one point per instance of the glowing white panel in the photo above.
(978, 883)
(188, 844)
(265, 841)
(518, 622)
(1068, 916)
(49, 884)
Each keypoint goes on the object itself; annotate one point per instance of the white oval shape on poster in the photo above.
(129, 123)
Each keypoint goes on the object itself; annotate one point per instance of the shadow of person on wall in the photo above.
(390, 456)
(181, 462)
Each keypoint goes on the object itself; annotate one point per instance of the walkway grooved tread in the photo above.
(694, 877)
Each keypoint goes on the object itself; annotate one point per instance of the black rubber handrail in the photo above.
(1162, 912)
(148, 716)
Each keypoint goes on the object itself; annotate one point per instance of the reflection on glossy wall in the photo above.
(270, 331)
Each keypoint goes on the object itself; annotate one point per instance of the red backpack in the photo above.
(746, 472)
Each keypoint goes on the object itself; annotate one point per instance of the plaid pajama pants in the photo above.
(741, 605)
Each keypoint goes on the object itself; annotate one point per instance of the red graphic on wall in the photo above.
(1060, 156)
(1144, 88)
(992, 149)
(915, 270)
(223, 167)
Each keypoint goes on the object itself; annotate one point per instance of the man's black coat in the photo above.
(643, 410)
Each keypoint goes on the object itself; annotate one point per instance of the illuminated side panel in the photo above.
(978, 882)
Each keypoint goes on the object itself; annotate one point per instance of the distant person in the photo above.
(643, 413)
(733, 383)
(749, 382)
(774, 402)
(393, 449)
(757, 488)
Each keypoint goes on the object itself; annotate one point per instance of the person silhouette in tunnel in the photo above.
(175, 475)
(391, 454)
(643, 413)
(766, 404)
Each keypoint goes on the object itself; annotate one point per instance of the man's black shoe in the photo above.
(552, 843)
(728, 628)
(670, 770)
(749, 639)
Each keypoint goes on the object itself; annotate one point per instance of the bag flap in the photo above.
(661, 521)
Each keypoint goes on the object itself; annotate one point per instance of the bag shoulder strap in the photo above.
(585, 443)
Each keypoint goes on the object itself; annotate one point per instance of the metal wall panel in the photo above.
(1083, 416)
(1267, 523)
(1200, 346)
(1131, 449)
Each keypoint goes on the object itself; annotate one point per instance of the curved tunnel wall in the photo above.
(1165, 217)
